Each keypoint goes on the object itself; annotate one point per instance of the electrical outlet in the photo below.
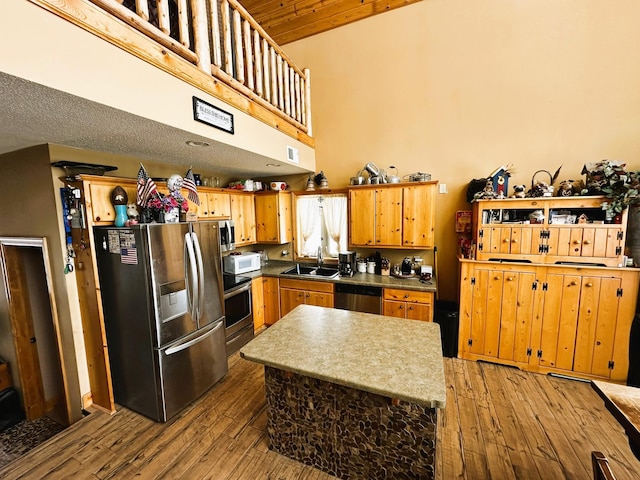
(443, 188)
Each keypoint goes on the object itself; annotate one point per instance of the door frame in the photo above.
(41, 243)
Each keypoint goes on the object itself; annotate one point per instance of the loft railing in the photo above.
(223, 40)
(236, 58)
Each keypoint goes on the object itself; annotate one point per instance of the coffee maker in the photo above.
(347, 263)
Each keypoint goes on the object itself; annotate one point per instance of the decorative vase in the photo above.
(121, 215)
(158, 216)
(172, 216)
(146, 215)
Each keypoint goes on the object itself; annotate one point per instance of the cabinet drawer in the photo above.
(306, 285)
(408, 295)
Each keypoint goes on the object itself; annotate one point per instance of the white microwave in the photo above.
(243, 263)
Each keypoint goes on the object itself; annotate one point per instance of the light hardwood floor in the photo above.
(500, 423)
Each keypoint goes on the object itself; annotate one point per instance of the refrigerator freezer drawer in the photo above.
(190, 367)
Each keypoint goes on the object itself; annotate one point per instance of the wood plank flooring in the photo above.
(500, 423)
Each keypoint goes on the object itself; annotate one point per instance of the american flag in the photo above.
(146, 187)
(190, 184)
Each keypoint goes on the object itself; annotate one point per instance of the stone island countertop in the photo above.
(393, 357)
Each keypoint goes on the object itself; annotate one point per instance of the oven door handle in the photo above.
(237, 291)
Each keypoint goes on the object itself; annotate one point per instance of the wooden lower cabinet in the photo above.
(545, 318)
(304, 292)
(407, 304)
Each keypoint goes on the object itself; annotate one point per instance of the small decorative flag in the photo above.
(146, 187)
(190, 184)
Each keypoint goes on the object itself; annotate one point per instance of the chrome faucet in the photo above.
(320, 258)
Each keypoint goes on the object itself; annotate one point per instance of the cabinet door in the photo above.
(202, 210)
(597, 318)
(516, 317)
(218, 205)
(391, 308)
(242, 212)
(388, 217)
(271, 300)
(418, 211)
(290, 299)
(101, 206)
(419, 311)
(257, 303)
(559, 320)
(273, 217)
(319, 299)
(362, 217)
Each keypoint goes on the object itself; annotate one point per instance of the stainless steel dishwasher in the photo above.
(358, 298)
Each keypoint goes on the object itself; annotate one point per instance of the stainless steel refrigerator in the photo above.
(161, 288)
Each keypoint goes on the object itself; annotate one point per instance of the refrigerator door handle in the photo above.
(200, 295)
(190, 275)
(190, 343)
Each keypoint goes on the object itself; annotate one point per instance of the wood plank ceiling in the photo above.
(290, 20)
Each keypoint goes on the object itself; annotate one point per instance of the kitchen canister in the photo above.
(361, 266)
(371, 267)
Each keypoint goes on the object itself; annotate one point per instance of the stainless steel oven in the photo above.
(238, 312)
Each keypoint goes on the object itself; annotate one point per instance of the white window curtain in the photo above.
(335, 219)
(308, 218)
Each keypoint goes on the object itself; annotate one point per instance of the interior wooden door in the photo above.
(23, 331)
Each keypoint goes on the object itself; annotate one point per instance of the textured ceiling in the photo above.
(32, 114)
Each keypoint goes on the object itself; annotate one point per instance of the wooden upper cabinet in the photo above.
(98, 202)
(213, 205)
(362, 217)
(392, 216)
(548, 230)
(388, 217)
(243, 215)
(418, 214)
(273, 217)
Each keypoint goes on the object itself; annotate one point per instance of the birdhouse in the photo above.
(500, 180)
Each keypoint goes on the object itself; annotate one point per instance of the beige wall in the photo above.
(31, 208)
(457, 88)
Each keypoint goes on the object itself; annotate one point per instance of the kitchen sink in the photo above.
(305, 271)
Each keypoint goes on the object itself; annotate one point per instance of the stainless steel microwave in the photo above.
(227, 235)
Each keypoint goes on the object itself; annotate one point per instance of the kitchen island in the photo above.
(353, 394)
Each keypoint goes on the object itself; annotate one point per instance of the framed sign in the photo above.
(206, 113)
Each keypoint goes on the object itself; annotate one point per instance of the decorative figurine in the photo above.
(487, 193)
(132, 215)
(518, 191)
(119, 200)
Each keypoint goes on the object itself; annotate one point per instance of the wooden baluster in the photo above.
(266, 69)
(298, 102)
(163, 16)
(274, 78)
(142, 9)
(183, 23)
(287, 90)
(237, 43)
(226, 32)
(294, 97)
(303, 106)
(258, 56)
(307, 99)
(215, 32)
(280, 82)
(201, 34)
(248, 53)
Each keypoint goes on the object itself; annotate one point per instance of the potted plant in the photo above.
(610, 178)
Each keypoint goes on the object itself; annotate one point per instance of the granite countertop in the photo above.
(388, 356)
(274, 268)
